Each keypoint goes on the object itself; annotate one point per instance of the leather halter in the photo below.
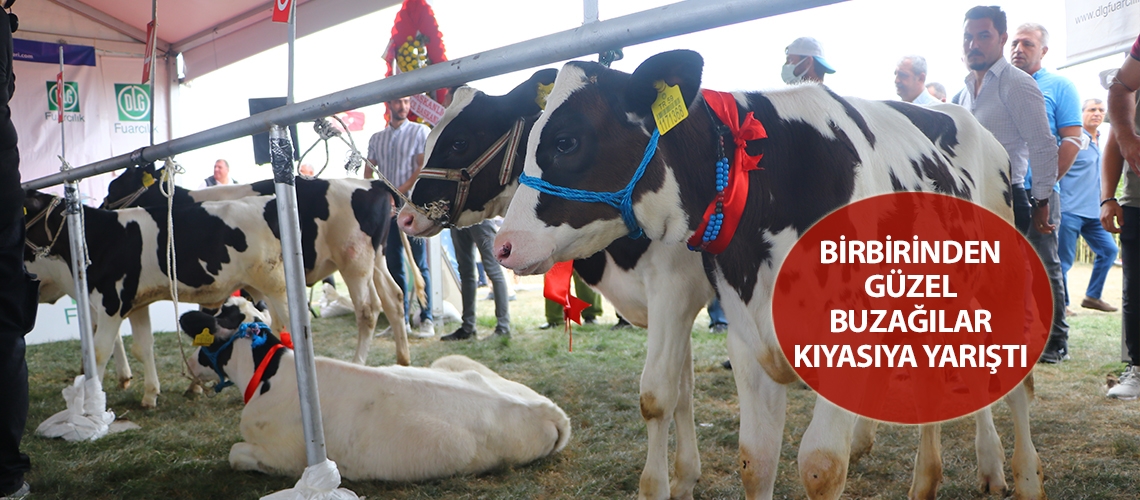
(43, 251)
(510, 140)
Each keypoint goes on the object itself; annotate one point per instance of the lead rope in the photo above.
(167, 188)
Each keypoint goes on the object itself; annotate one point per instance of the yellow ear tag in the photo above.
(147, 179)
(669, 108)
(204, 339)
(543, 93)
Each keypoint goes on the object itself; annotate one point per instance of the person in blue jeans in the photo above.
(394, 256)
(1080, 211)
(717, 322)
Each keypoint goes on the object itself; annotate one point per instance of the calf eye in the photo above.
(566, 145)
(459, 146)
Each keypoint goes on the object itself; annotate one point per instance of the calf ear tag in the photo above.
(669, 108)
(543, 93)
(147, 179)
(204, 339)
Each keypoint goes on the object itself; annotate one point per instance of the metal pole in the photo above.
(290, 227)
(589, 11)
(77, 238)
(153, 62)
(663, 22)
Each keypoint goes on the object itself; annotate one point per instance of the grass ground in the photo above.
(1090, 445)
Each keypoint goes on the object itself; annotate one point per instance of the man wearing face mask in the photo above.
(805, 62)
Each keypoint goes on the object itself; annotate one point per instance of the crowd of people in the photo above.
(1065, 182)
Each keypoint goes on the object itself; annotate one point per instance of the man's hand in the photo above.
(1111, 216)
(1041, 220)
(1130, 150)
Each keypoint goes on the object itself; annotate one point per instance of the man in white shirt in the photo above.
(910, 81)
(221, 175)
(398, 153)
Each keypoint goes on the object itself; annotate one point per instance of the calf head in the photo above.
(128, 186)
(228, 346)
(473, 157)
(593, 137)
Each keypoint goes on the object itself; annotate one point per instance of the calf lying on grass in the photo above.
(391, 423)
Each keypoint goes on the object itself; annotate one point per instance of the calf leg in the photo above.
(667, 352)
(249, 457)
(927, 464)
(991, 456)
(367, 305)
(825, 449)
(122, 365)
(392, 300)
(1027, 473)
(106, 331)
(143, 349)
(863, 439)
(687, 461)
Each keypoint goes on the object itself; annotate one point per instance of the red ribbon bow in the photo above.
(735, 195)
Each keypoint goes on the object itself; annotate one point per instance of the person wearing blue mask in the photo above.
(804, 62)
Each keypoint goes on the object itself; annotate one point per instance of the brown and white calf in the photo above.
(343, 224)
(821, 152)
(651, 284)
(390, 423)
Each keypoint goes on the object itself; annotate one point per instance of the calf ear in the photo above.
(529, 98)
(194, 322)
(676, 67)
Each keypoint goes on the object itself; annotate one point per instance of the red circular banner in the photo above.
(912, 307)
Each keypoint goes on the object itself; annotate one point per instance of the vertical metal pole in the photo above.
(153, 62)
(282, 153)
(73, 210)
(589, 11)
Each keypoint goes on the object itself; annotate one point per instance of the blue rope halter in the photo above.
(255, 331)
(621, 200)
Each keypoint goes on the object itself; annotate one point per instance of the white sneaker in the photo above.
(426, 330)
(1129, 387)
(387, 332)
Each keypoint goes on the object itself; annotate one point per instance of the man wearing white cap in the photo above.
(805, 62)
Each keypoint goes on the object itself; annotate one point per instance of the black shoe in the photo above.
(719, 328)
(621, 324)
(458, 334)
(500, 333)
(546, 326)
(727, 364)
(1055, 352)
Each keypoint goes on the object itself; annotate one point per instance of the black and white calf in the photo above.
(391, 423)
(227, 246)
(652, 284)
(343, 224)
(821, 152)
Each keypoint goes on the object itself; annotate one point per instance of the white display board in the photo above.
(59, 321)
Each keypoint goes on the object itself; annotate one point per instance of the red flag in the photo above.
(282, 9)
(148, 57)
(556, 287)
(59, 94)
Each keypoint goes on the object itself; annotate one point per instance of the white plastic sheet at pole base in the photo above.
(318, 482)
(85, 418)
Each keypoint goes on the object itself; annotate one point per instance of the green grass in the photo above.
(1090, 445)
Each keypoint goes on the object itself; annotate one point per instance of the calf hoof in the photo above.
(150, 401)
(923, 492)
(194, 390)
(1029, 488)
(990, 484)
(824, 475)
(125, 383)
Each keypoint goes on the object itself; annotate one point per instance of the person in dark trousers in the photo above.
(19, 295)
